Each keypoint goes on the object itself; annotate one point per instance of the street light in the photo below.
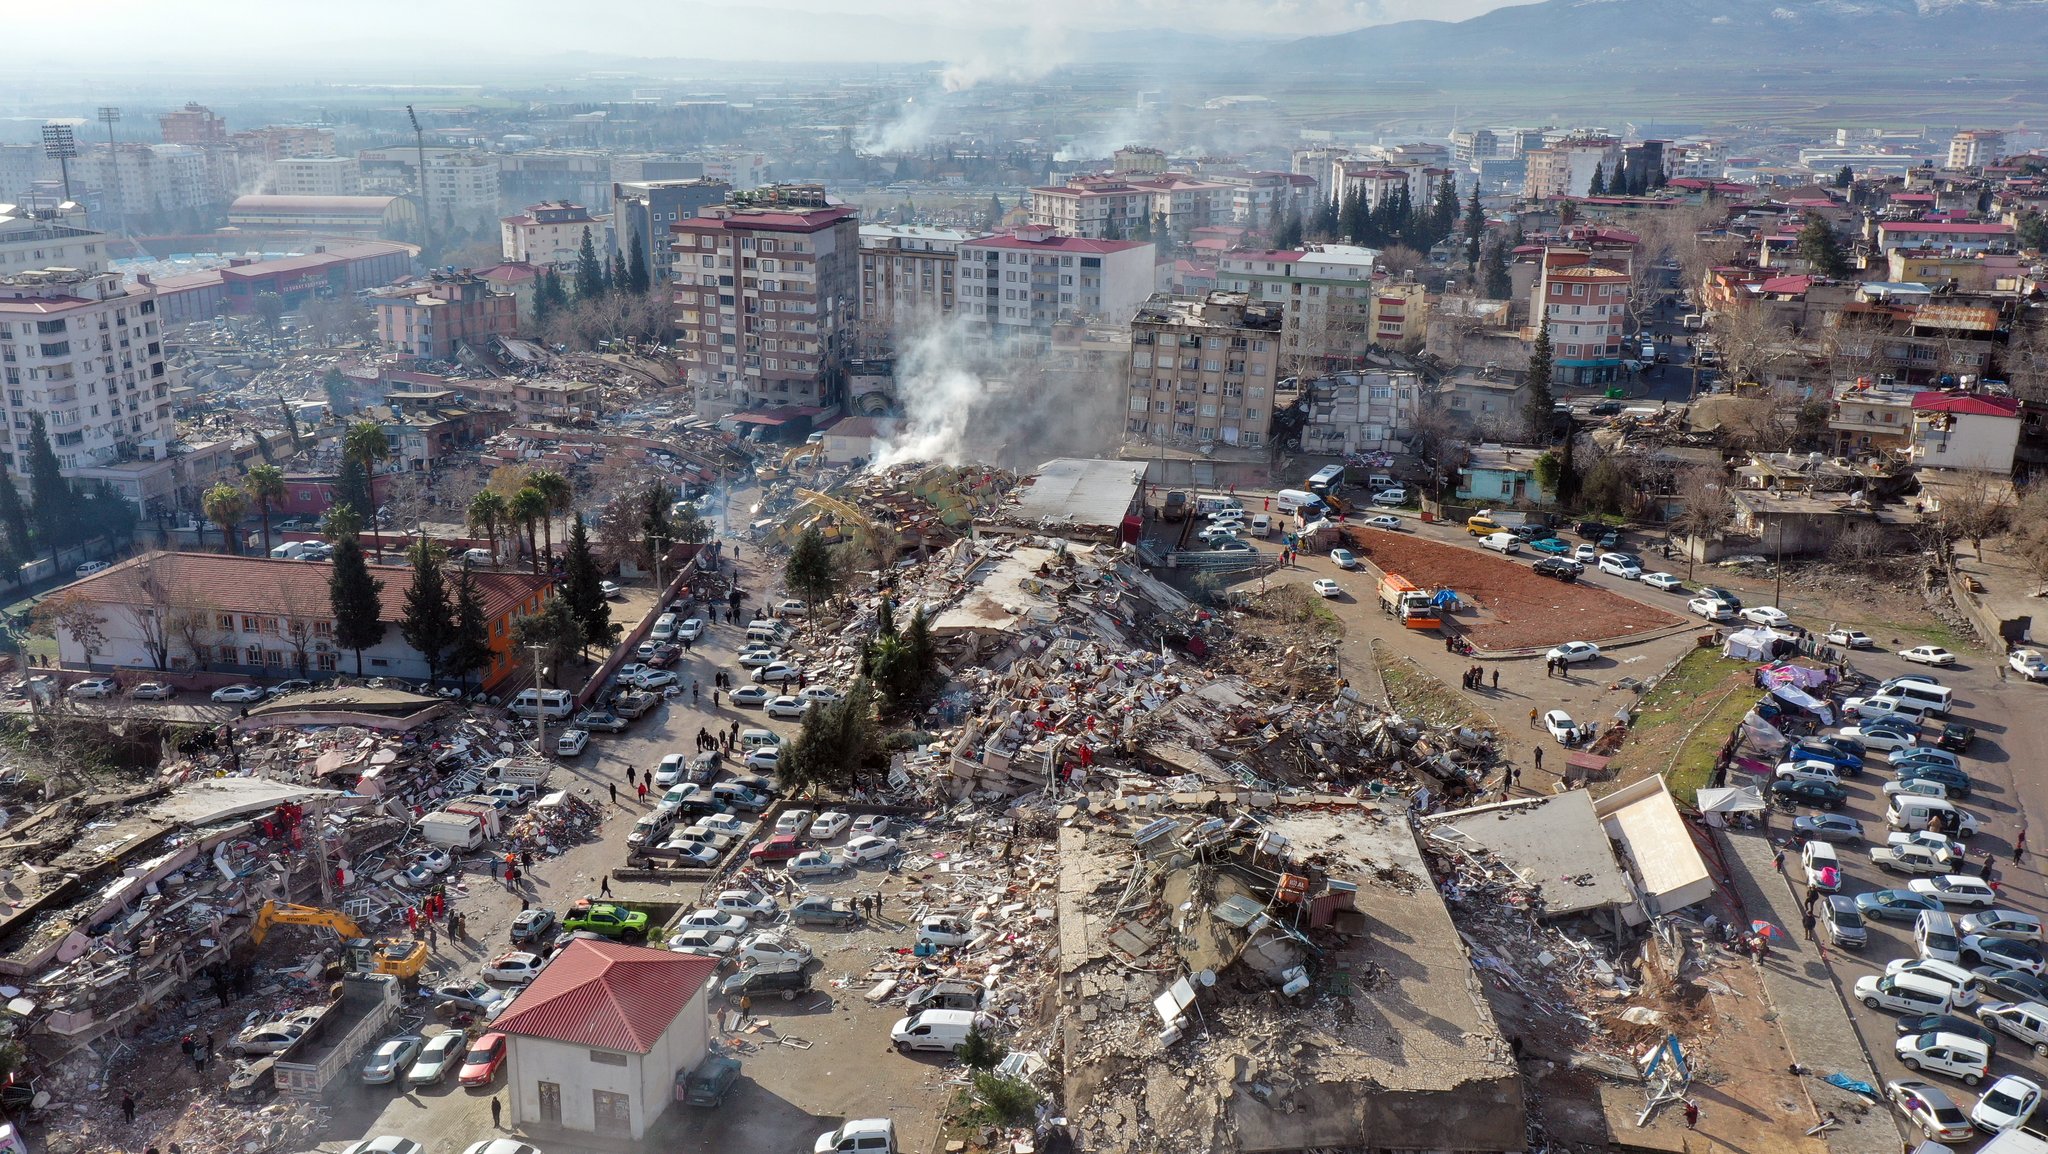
(540, 713)
(659, 554)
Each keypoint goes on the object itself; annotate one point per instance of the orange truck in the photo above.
(1400, 598)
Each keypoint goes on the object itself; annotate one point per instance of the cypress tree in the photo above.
(14, 517)
(1497, 284)
(636, 270)
(1599, 185)
(469, 644)
(53, 501)
(1538, 408)
(589, 272)
(1475, 228)
(582, 588)
(427, 625)
(1445, 220)
(354, 596)
(352, 488)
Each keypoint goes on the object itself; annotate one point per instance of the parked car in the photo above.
(1958, 1057)
(2002, 953)
(787, 707)
(439, 1057)
(1766, 615)
(817, 863)
(1953, 1023)
(480, 1066)
(1955, 737)
(778, 673)
(1928, 655)
(1326, 587)
(571, 742)
(2008, 1104)
(516, 967)
(1929, 1108)
(829, 825)
(596, 719)
(1344, 558)
(1843, 924)
(93, 688)
(869, 847)
(1501, 543)
(710, 1083)
(780, 847)
(153, 691)
(1561, 726)
(1849, 638)
(759, 981)
(473, 996)
(2028, 663)
(752, 695)
(704, 943)
(1666, 582)
(747, 904)
(236, 694)
(606, 918)
(819, 909)
(756, 656)
(1711, 608)
(1903, 906)
(1557, 568)
(1550, 546)
(391, 1057)
(650, 679)
(690, 629)
(1385, 521)
(1573, 652)
(880, 825)
(1956, 890)
(1621, 565)
(1819, 794)
(1827, 827)
(532, 925)
(1389, 498)
(820, 695)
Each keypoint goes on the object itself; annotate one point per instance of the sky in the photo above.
(226, 31)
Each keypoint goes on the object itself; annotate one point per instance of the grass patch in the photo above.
(1930, 632)
(1417, 693)
(1680, 726)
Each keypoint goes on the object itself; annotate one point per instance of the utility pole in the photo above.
(660, 552)
(540, 713)
(108, 115)
(419, 140)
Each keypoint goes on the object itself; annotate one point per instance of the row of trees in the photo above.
(1622, 182)
(1395, 221)
(612, 299)
(62, 513)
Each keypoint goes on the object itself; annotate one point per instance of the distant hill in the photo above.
(1939, 37)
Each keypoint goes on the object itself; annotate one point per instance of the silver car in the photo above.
(391, 1057)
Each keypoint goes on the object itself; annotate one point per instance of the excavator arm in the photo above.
(291, 915)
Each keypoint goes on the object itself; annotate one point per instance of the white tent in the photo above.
(1804, 700)
(1747, 645)
(1760, 734)
(1716, 804)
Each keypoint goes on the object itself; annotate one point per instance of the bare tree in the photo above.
(2030, 531)
(1751, 341)
(1975, 508)
(1709, 509)
(198, 627)
(1860, 544)
(152, 618)
(71, 612)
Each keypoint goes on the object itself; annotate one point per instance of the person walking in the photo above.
(1778, 860)
(2019, 846)
(128, 1107)
(1532, 725)
(1807, 921)
(1496, 679)
(643, 791)
(630, 772)
(612, 787)
(1692, 1114)
(604, 886)
(1539, 757)
(497, 1114)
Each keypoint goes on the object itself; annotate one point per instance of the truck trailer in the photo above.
(1414, 607)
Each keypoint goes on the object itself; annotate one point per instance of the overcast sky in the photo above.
(103, 32)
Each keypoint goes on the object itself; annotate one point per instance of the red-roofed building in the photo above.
(255, 616)
(597, 1039)
(1965, 431)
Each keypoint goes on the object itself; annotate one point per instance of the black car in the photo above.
(1954, 780)
(1720, 594)
(755, 982)
(1556, 568)
(709, 1083)
(1947, 1023)
(1821, 795)
(1846, 746)
(1591, 530)
(1955, 737)
(2014, 986)
(1606, 409)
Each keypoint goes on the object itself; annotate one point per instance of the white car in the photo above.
(1849, 638)
(611, 590)
(93, 687)
(816, 863)
(704, 943)
(1561, 726)
(1711, 608)
(1621, 565)
(1956, 890)
(820, 694)
(1945, 1053)
(869, 847)
(1326, 587)
(698, 854)
(756, 656)
(768, 948)
(238, 693)
(788, 708)
(1501, 542)
(791, 607)
(1573, 652)
(766, 759)
(653, 679)
(1883, 738)
(153, 691)
(1585, 554)
(747, 904)
(724, 823)
(2004, 923)
(877, 824)
(719, 920)
(752, 695)
(671, 770)
(830, 824)
(2006, 1105)
(1385, 521)
(1928, 655)
(1768, 615)
(1343, 558)
(794, 821)
(517, 967)
(778, 673)
(1667, 582)
(437, 860)
(690, 630)
(572, 742)
(1388, 498)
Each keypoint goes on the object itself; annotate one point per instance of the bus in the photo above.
(1326, 479)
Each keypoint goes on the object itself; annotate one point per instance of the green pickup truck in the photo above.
(607, 919)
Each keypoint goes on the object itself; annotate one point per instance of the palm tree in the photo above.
(225, 506)
(266, 484)
(559, 494)
(365, 441)
(527, 507)
(489, 514)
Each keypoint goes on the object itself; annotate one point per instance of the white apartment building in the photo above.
(1326, 291)
(86, 353)
(1566, 167)
(742, 170)
(551, 234)
(1024, 281)
(1202, 371)
(1974, 148)
(317, 176)
(139, 179)
(909, 276)
(1257, 196)
(465, 186)
(1122, 208)
(29, 242)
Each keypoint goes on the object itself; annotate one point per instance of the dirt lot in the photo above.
(1517, 609)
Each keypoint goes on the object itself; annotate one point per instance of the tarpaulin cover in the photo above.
(1740, 799)
(1802, 676)
(1804, 700)
(1746, 645)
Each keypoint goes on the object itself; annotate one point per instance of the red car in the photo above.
(780, 847)
(480, 1065)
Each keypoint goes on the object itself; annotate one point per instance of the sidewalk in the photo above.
(1811, 1012)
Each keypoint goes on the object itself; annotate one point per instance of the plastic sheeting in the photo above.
(1760, 734)
(1793, 695)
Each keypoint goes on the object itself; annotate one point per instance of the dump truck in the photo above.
(368, 1004)
(1400, 598)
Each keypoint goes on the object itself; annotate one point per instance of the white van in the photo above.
(1910, 812)
(1912, 708)
(1935, 937)
(753, 739)
(289, 551)
(769, 632)
(861, 1136)
(552, 704)
(1296, 501)
(1935, 698)
(1817, 857)
(664, 627)
(1904, 993)
(933, 1030)
(1262, 525)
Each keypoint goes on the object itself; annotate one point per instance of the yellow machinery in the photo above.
(402, 958)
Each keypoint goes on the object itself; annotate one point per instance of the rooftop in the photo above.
(367, 205)
(1971, 404)
(1077, 492)
(608, 996)
(262, 585)
(1053, 242)
(1553, 842)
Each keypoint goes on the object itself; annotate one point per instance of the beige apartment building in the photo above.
(909, 277)
(1202, 370)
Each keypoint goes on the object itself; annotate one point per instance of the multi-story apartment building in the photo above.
(462, 186)
(1566, 167)
(1865, 419)
(85, 353)
(316, 176)
(30, 241)
(1023, 282)
(429, 321)
(274, 142)
(744, 171)
(909, 277)
(140, 179)
(1327, 294)
(193, 124)
(1584, 306)
(583, 176)
(1317, 162)
(551, 234)
(643, 211)
(1121, 208)
(1138, 158)
(767, 294)
(1474, 145)
(1202, 370)
(1258, 198)
(1974, 148)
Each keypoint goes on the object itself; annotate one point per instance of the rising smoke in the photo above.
(969, 397)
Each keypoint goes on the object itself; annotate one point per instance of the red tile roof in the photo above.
(1786, 284)
(1971, 404)
(278, 588)
(607, 995)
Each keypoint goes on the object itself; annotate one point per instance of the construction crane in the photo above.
(402, 958)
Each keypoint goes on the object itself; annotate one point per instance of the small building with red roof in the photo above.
(596, 1041)
(1972, 431)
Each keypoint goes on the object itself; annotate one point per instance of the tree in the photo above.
(1598, 186)
(837, 743)
(582, 588)
(341, 521)
(1475, 229)
(1708, 510)
(1845, 177)
(1497, 285)
(366, 445)
(904, 664)
(528, 507)
(265, 484)
(1539, 407)
(355, 598)
(54, 502)
(70, 611)
(335, 320)
(1288, 236)
(615, 275)
(14, 517)
(469, 642)
(270, 309)
(427, 625)
(1819, 249)
(657, 523)
(560, 496)
(489, 515)
(2032, 231)
(338, 401)
(995, 213)
(1444, 221)
(589, 273)
(808, 571)
(1976, 508)
(554, 628)
(637, 278)
(352, 490)
(225, 506)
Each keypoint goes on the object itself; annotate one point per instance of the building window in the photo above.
(253, 655)
(607, 1058)
(225, 622)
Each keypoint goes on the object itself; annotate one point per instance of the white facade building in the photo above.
(86, 354)
(30, 242)
(138, 179)
(463, 186)
(1026, 280)
(317, 176)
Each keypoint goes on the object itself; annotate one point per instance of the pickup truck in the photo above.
(1913, 859)
(605, 918)
(367, 1006)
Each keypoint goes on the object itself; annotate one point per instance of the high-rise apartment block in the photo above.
(316, 176)
(1336, 308)
(1023, 282)
(1566, 167)
(1974, 148)
(1123, 208)
(430, 321)
(193, 124)
(1202, 370)
(85, 353)
(644, 210)
(909, 277)
(462, 186)
(139, 179)
(39, 240)
(767, 291)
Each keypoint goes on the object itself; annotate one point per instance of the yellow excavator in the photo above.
(402, 958)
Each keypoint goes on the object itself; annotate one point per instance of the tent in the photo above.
(1793, 695)
(1717, 804)
(1803, 676)
(1760, 734)
(1747, 645)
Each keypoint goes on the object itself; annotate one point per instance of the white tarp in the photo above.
(1736, 799)
(1804, 700)
(1760, 734)
(1804, 676)
(1747, 645)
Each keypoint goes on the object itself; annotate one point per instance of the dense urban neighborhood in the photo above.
(1210, 611)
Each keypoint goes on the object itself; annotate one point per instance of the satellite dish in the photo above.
(1206, 977)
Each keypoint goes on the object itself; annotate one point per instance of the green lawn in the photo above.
(1680, 726)
(1416, 692)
